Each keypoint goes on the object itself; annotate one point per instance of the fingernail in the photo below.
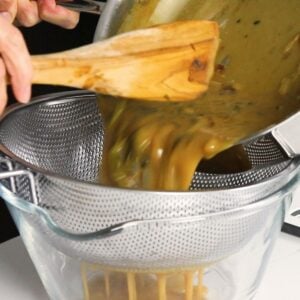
(6, 15)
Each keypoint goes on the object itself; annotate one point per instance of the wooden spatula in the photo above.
(168, 62)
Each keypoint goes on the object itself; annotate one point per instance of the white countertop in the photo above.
(19, 280)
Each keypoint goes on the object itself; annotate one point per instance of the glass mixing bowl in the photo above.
(234, 277)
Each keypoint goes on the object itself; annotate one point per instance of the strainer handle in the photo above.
(11, 174)
(33, 208)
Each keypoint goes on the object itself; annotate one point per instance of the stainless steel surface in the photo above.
(287, 134)
(282, 137)
(86, 6)
(60, 139)
(112, 17)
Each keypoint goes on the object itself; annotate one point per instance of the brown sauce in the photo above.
(256, 83)
(158, 146)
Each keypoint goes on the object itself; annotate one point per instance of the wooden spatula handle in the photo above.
(60, 71)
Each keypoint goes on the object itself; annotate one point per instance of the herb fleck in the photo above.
(227, 89)
(220, 68)
(167, 97)
(237, 108)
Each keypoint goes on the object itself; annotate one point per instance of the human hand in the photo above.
(15, 63)
(28, 13)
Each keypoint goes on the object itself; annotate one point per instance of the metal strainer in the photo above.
(53, 149)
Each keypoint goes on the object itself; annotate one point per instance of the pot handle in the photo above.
(85, 6)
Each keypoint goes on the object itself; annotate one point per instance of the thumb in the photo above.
(8, 9)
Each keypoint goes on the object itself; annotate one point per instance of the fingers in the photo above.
(14, 62)
(27, 13)
(55, 14)
(8, 9)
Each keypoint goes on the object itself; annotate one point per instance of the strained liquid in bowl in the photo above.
(114, 285)
(158, 146)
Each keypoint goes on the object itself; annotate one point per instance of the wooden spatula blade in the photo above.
(172, 62)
